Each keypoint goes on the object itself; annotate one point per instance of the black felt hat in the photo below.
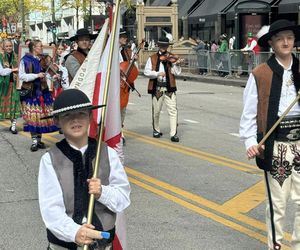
(83, 32)
(122, 32)
(277, 26)
(163, 41)
(71, 100)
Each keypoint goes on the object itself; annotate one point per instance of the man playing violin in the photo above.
(161, 68)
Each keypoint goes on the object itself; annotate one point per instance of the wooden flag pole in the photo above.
(103, 112)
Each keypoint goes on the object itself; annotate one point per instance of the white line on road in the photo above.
(235, 134)
(191, 121)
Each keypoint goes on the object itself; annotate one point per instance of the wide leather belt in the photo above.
(288, 129)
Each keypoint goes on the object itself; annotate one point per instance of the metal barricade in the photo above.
(231, 63)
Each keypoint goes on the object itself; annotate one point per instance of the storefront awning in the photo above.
(161, 3)
(289, 6)
(184, 6)
(246, 6)
(209, 8)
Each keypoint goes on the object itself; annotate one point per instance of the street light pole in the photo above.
(22, 11)
(90, 18)
(53, 20)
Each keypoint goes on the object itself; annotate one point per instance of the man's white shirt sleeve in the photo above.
(248, 126)
(152, 74)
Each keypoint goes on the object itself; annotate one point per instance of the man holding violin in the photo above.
(161, 68)
(126, 60)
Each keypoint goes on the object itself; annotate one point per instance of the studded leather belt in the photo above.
(288, 129)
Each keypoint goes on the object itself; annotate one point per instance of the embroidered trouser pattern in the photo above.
(284, 181)
(169, 98)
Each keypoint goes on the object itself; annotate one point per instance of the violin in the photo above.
(171, 58)
(48, 66)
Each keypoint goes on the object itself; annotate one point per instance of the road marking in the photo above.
(235, 134)
(235, 214)
(203, 212)
(218, 160)
(131, 103)
(190, 121)
(247, 200)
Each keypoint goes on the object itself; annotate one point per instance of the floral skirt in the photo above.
(10, 103)
(33, 109)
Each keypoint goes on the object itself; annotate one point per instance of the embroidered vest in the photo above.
(171, 83)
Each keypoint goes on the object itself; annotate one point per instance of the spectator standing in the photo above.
(223, 56)
(17, 42)
(252, 48)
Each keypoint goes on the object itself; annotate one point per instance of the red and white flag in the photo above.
(112, 134)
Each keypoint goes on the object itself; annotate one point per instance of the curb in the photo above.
(230, 81)
(214, 79)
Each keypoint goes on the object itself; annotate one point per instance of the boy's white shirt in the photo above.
(115, 196)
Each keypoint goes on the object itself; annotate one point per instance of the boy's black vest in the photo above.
(72, 170)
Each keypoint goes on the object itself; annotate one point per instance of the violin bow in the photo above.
(128, 85)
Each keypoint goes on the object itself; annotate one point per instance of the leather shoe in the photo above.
(34, 147)
(41, 145)
(175, 138)
(13, 131)
(157, 134)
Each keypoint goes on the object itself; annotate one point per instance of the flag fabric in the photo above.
(86, 74)
(112, 134)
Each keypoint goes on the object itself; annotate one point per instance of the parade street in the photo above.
(200, 193)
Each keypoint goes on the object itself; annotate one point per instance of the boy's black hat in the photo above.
(71, 100)
(83, 32)
(277, 26)
(122, 32)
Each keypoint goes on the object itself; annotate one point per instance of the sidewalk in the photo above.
(229, 80)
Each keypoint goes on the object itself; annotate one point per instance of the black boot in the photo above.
(175, 138)
(34, 145)
(40, 144)
(13, 127)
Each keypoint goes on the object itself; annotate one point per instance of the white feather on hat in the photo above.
(263, 30)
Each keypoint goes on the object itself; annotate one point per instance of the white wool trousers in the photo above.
(171, 103)
(284, 183)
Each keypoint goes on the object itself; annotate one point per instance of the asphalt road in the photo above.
(200, 193)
